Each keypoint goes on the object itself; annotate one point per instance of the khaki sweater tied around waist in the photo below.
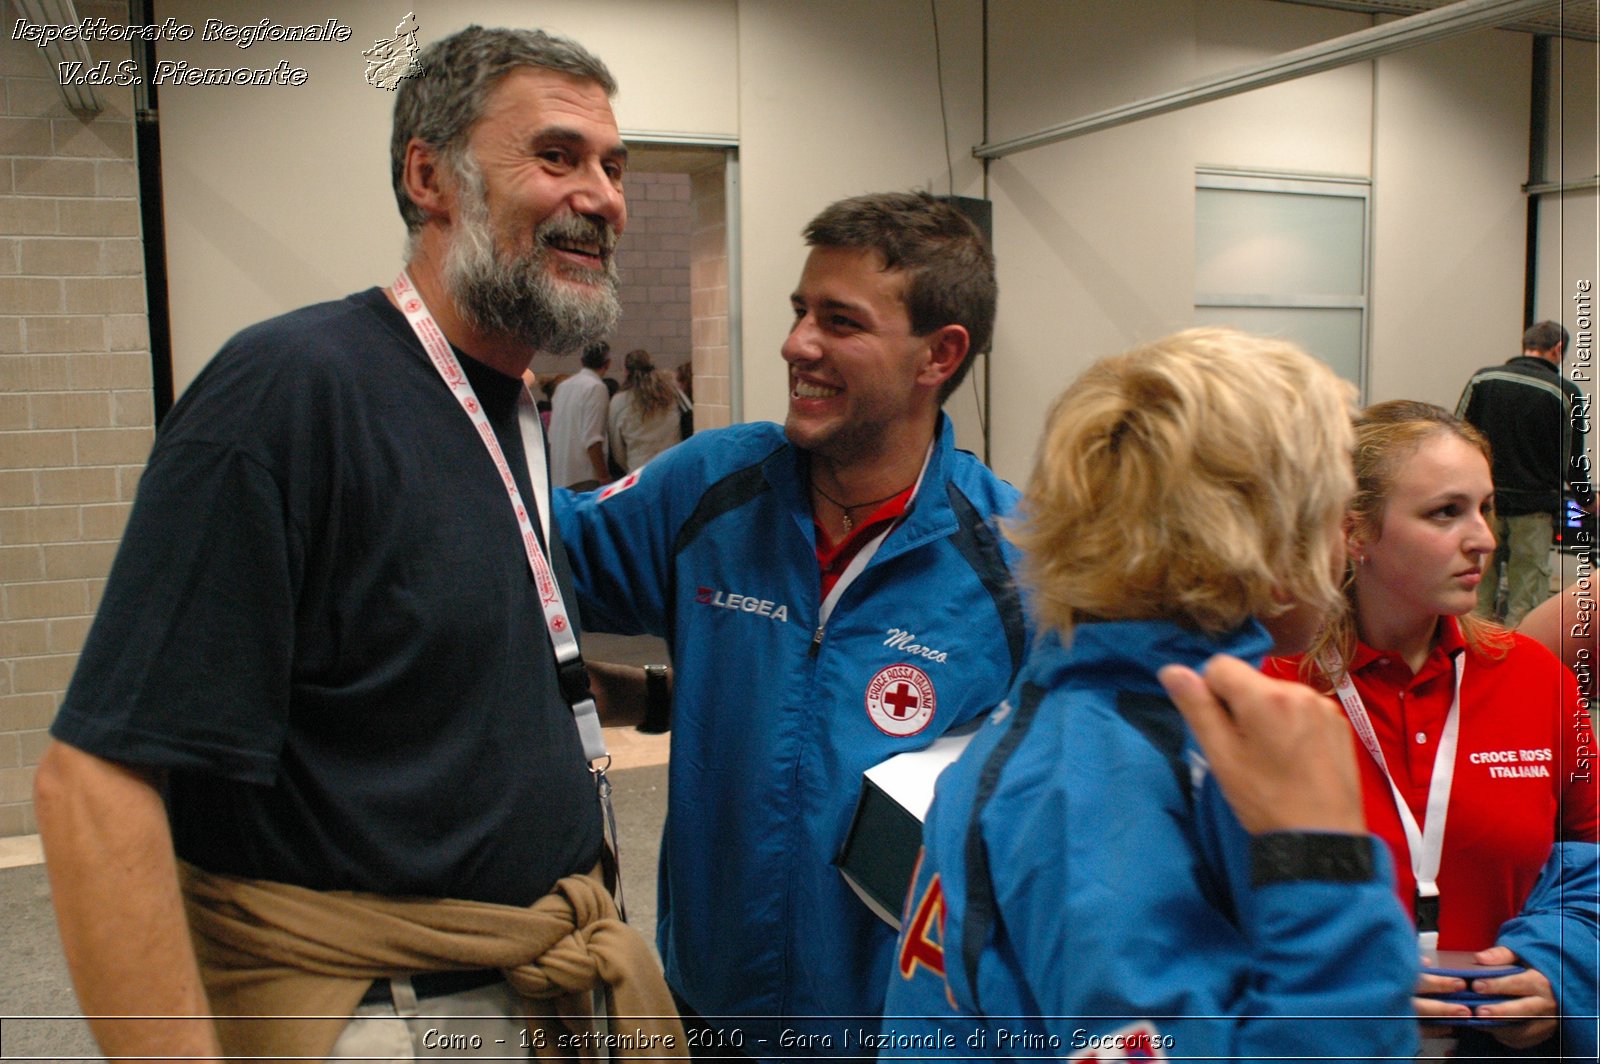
(274, 950)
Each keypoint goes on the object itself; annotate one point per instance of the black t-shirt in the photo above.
(322, 622)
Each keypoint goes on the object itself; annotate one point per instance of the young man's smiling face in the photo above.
(860, 383)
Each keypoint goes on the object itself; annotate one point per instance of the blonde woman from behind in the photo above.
(644, 414)
(1107, 874)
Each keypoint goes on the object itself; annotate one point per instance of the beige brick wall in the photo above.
(75, 399)
(653, 259)
(708, 299)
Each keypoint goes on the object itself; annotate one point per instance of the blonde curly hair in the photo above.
(1199, 479)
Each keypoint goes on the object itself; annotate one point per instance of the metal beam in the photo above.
(680, 140)
(1448, 21)
(60, 54)
(1546, 188)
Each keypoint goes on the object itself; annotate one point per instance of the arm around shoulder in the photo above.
(114, 884)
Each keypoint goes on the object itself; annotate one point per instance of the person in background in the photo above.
(644, 415)
(1469, 767)
(685, 379)
(1113, 874)
(578, 409)
(316, 775)
(547, 392)
(1536, 422)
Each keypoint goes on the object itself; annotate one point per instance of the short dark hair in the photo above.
(1544, 337)
(440, 105)
(949, 267)
(595, 356)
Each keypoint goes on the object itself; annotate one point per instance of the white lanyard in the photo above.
(868, 549)
(1426, 844)
(568, 659)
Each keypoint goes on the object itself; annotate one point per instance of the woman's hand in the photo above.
(1429, 1008)
(1533, 1003)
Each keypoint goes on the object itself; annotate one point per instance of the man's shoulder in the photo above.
(307, 341)
(706, 459)
(315, 325)
(582, 387)
(724, 450)
(1517, 376)
(985, 488)
(271, 370)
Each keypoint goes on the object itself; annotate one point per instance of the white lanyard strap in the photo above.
(533, 446)
(868, 549)
(569, 662)
(1425, 843)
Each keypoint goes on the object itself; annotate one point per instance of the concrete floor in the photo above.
(39, 1014)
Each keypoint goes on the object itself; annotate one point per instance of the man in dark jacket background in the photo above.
(1535, 420)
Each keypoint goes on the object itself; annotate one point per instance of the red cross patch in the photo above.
(900, 700)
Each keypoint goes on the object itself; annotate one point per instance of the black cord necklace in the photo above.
(849, 523)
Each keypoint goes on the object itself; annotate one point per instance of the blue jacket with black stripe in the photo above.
(775, 717)
(1085, 890)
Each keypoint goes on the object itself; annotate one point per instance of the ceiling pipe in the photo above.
(69, 60)
(1448, 21)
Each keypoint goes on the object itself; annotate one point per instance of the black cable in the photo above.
(938, 67)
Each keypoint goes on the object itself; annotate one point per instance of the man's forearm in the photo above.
(114, 884)
(622, 693)
(597, 461)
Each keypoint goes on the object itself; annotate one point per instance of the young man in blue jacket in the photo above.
(834, 592)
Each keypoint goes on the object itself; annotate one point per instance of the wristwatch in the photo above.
(657, 700)
(1293, 856)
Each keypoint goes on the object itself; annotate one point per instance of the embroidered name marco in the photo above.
(901, 639)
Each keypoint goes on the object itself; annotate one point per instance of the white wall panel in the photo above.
(839, 98)
(1450, 219)
(280, 196)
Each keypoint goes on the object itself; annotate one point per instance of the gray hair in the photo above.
(440, 105)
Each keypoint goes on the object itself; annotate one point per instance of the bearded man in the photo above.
(317, 759)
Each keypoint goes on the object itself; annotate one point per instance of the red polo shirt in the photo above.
(1520, 784)
(834, 558)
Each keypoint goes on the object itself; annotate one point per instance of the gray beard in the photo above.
(519, 296)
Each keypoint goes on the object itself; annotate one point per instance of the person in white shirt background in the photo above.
(578, 457)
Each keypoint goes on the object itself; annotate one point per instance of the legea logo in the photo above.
(761, 607)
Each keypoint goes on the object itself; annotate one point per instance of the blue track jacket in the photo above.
(1085, 892)
(711, 545)
(1558, 933)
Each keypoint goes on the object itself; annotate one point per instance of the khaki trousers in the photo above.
(479, 1024)
(1522, 553)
